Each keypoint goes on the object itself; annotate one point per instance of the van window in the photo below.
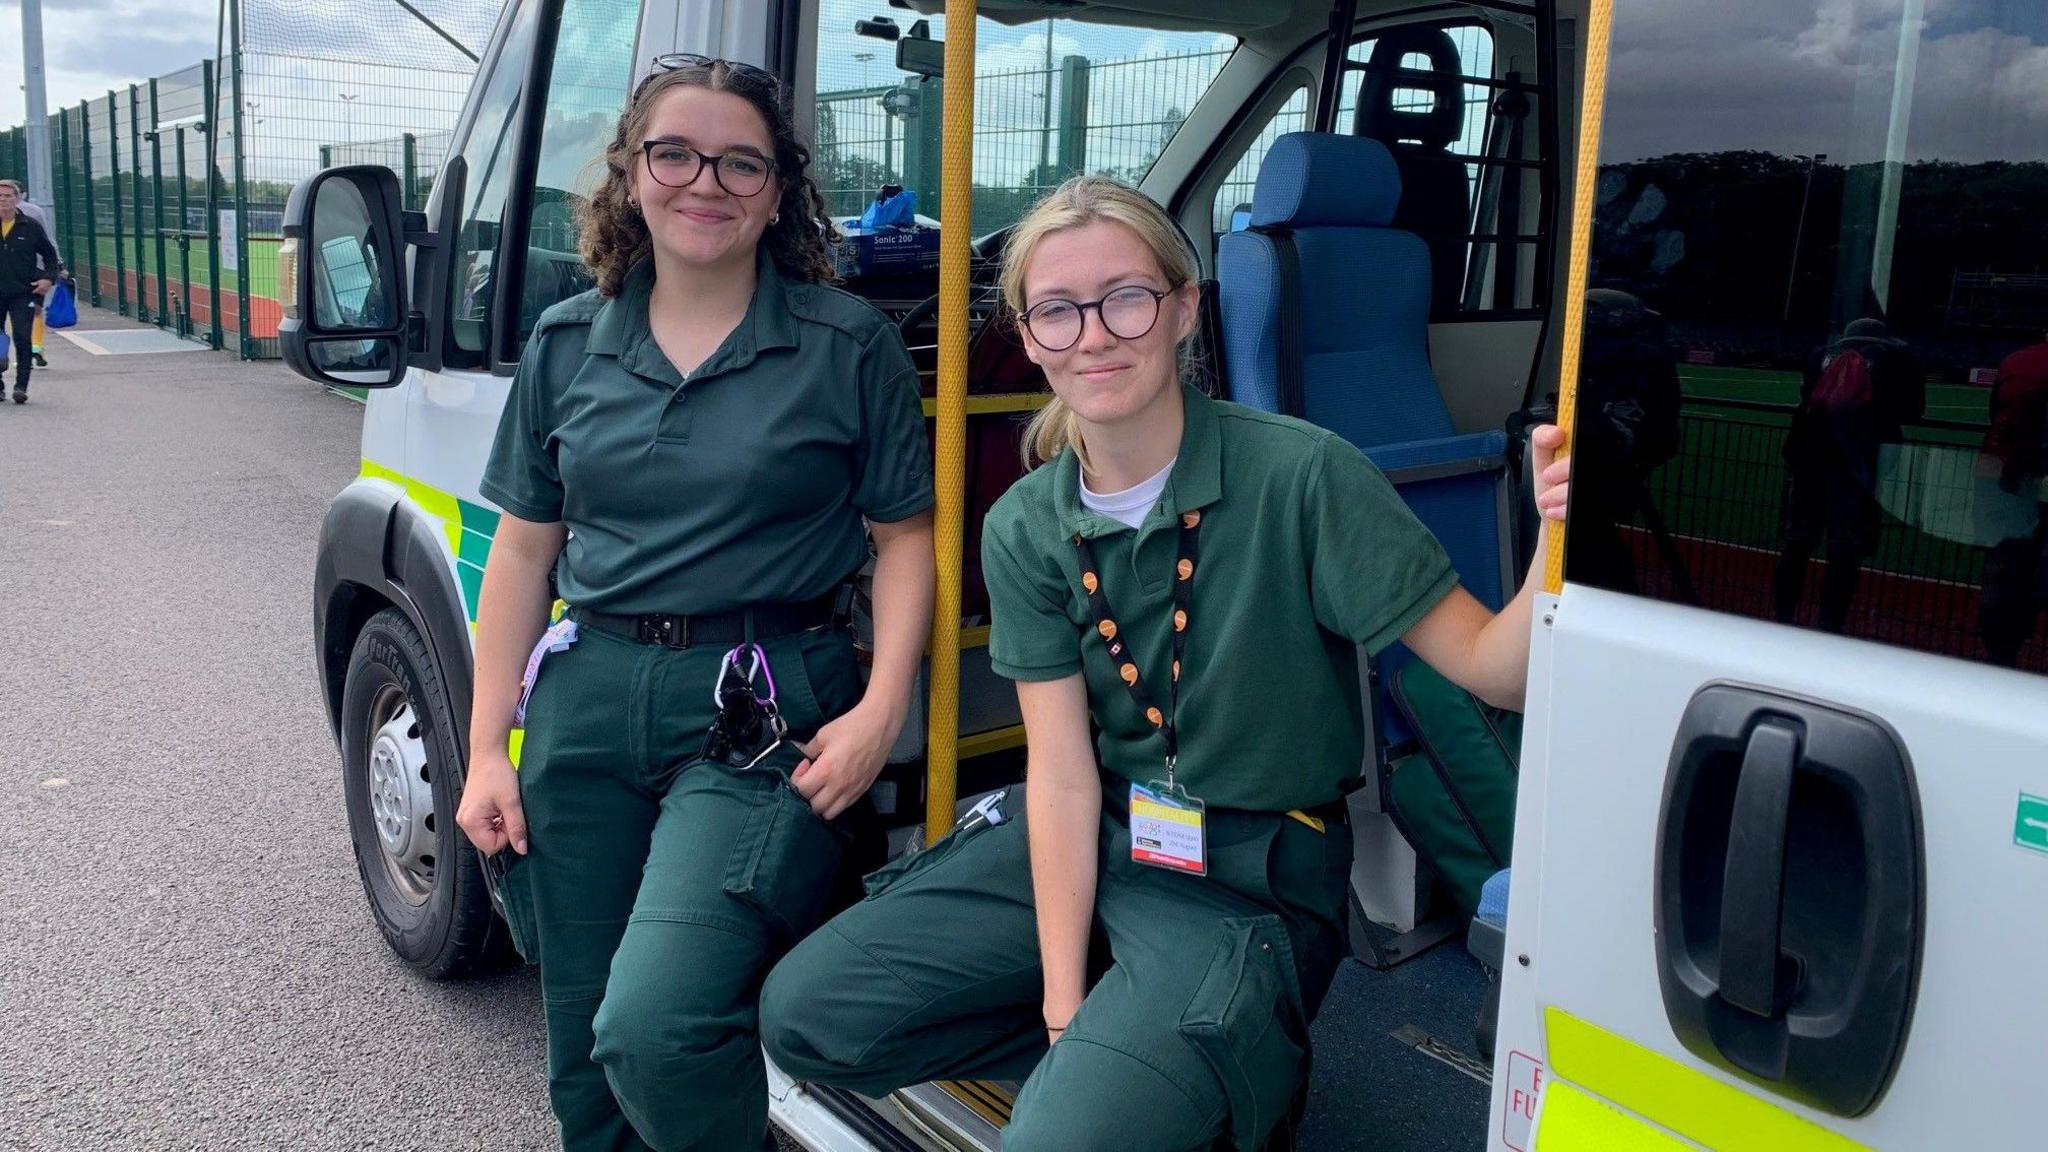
(1053, 98)
(1451, 101)
(1234, 196)
(1814, 383)
(1463, 125)
(488, 154)
(593, 63)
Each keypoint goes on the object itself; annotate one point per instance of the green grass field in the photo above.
(262, 263)
(1964, 403)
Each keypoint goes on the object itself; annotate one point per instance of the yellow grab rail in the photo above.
(956, 216)
(1593, 106)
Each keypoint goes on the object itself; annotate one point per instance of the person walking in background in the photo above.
(34, 211)
(2015, 457)
(1859, 393)
(28, 267)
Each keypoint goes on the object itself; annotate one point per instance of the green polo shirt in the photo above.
(745, 483)
(1305, 554)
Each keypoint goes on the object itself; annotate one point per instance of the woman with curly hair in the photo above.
(697, 450)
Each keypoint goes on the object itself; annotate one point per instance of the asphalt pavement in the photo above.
(186, 958)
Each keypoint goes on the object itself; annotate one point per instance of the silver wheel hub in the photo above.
(402, 797)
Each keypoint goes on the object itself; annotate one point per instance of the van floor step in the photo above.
(958, 1115)
(1368, 1094)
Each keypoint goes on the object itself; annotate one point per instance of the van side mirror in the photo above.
(341, 273)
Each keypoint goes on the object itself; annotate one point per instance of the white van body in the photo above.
(1588, 1054)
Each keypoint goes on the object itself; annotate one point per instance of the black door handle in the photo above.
(1753, 883)
(1789, 894)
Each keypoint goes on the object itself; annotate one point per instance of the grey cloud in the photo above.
(1749, 74)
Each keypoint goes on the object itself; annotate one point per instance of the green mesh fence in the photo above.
(170, 192)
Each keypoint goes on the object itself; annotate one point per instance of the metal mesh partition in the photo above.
(1033, 128)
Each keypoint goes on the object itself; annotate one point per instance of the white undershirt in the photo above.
(1130, 505)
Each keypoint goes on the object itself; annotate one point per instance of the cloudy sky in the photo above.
(1786, 77)
(1800, 78)
(404, 79)
(83, 61)
(157, 36)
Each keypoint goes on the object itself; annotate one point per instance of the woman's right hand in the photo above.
(490, 813)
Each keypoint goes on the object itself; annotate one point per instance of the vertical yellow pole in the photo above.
(1592, 106)
(956, 216)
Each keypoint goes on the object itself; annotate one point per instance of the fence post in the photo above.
(156, 168)
(923, 142)
(135, 170)
(92, 227)
(184, 239)
(114, 190)
(212, 81)
(1073, 116)
(66, 227)
(409, 149)
(241, 238)
(326, 156)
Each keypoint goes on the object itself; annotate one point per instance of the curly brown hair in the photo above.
(614, 235)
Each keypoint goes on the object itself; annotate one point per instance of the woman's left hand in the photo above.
(843, 759)
(1553, 470)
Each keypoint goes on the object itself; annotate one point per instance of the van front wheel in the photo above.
(402, 780)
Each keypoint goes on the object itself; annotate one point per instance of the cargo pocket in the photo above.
(514, 889)
(977, 820)
(784, 863)
(1246, 1021)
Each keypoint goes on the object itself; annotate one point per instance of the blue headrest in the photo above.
(1322, 180)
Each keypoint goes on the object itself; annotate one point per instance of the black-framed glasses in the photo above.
(676, 165)
(671, 61)
(1128, 313)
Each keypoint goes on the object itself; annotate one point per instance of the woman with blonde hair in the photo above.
(1145, 934)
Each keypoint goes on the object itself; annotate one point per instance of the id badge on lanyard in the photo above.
(558, 638)
(1167, 828)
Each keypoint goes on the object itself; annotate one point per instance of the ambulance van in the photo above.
(1778, 870)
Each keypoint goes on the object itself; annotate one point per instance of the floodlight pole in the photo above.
(38, 126)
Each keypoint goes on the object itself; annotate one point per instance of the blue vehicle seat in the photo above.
(1325, 310)
(1493, 900)
(1488, 941)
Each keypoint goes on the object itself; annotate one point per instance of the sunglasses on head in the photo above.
(674, 61)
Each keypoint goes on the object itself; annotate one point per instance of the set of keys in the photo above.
(749, 725)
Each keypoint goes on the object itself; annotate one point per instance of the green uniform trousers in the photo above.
(660, 888)
(1196, 1024)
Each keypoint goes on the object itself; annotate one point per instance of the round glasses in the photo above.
(676, 165)
(1127, 313)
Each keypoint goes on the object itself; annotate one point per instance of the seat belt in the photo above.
(1292, 369)
(1210, 352)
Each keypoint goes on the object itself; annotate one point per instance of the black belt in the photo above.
(764, 620)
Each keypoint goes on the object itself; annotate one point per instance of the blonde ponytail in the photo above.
(1084, 200)
(1052, 428)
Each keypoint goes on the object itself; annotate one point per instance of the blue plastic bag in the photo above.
(60, 310)
(898, 211)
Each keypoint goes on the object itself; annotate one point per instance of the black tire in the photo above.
(440, 923)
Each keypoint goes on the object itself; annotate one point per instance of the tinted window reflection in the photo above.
(1815, 381)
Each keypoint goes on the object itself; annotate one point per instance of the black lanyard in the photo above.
(1119, 651)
